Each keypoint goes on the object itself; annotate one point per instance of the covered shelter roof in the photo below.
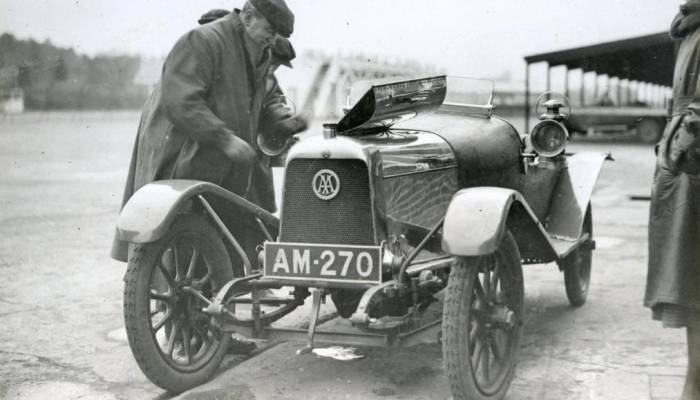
(648, 58)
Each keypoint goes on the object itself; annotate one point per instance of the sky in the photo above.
(462, 37)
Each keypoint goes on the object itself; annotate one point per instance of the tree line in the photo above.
(55, 78)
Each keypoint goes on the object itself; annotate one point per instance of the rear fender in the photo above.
(151, 210)
(572, 194)
(478, 218)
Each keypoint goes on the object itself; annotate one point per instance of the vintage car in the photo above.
(419, 197)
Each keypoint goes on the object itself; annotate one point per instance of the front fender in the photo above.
(572, 194)
(151, 210)
(478, 218)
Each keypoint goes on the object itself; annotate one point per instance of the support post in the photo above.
(527, 97)
(645, 89)
(595, 87)
(655, 94)
(619, 91)
(566, 81)
(582, 93)
(630, 93)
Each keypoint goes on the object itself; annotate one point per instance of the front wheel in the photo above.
(577, 265)
(482, 325)
(170, 337)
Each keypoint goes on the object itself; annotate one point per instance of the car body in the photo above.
(648, 123)
(416, 191)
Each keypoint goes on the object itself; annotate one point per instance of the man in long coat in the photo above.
(201, 120)
(278, 123)
(673, 280)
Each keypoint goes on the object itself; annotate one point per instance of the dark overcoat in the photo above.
(674, 224)
(209, 88)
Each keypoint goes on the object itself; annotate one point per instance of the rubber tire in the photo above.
(649, 131)
(582, 257)
(455, 322)
(136, 306)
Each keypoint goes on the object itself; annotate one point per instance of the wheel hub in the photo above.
(179, 295)
(500, 315)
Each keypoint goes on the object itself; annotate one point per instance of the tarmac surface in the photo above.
(61, 323)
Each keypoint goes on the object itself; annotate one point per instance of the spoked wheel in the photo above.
(577, 265)
(482, 317)
(171, 338)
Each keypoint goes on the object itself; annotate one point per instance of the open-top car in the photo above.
(418, 193)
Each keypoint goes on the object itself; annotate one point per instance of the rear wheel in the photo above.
(170, 337)
(482, 317)
(577, 265)
(649, 130)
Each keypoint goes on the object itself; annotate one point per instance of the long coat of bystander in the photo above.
(673, 280)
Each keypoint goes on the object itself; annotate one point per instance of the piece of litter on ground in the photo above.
(338, 353)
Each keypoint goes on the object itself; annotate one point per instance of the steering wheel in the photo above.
(273, 148)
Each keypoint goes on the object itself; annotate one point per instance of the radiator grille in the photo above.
(345, 219)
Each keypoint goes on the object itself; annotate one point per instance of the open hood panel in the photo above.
(385, 105)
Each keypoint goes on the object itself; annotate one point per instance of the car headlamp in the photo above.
(548, 138)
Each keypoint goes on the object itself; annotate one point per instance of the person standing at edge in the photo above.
(202, 119)
(673, 279)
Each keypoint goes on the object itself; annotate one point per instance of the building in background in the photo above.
(11, 95)
(11, 101)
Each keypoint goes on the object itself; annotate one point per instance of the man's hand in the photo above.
(292, 125)
(302, 123)
(685, 147)
(238, 151)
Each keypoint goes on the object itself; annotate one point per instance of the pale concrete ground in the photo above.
(61, 329)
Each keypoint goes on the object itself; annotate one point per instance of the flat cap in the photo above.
(690, 6)
(283, 51)
(277, 14)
